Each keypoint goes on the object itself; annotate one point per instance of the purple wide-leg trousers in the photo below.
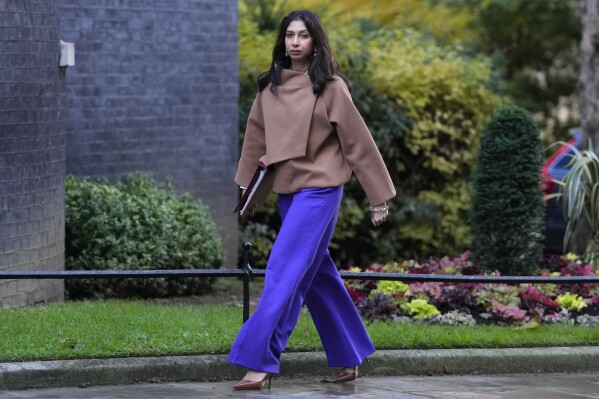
(300, 270)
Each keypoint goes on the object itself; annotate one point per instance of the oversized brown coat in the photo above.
(312, 141)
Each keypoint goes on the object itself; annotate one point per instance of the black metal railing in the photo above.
(246, 273)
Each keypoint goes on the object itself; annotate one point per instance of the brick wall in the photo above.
(32, 149)
(155, 88)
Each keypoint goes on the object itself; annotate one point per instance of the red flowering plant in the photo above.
(508, 313)
(468, 303)
(577, 268)
(537, 302)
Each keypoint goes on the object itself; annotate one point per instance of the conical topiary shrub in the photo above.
(507, 201)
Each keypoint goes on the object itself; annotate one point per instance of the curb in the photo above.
(115, 371)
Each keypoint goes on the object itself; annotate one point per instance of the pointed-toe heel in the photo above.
(345, 376)
(247, 385)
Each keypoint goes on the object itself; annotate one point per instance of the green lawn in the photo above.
(136, 328)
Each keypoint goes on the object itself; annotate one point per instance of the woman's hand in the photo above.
(378, 214)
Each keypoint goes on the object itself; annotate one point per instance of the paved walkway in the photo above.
(309, 365)
(524, 386)
(546, 373)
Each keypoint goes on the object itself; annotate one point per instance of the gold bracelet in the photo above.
(381, 209)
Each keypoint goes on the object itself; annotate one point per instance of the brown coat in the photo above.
(312, 141)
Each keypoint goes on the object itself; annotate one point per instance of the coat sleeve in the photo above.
(357, 145)
(254, 144)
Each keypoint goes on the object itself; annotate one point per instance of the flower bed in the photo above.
(472, 303)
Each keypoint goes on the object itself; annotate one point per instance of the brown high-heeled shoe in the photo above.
(345, 375)
(247, 385)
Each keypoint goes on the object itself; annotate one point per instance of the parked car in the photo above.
(555, 168)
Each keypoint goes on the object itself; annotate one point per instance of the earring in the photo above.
(314, 53)
(286, 55)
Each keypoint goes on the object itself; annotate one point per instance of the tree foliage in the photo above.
(534, 45)
(444, 23)
(507, 205)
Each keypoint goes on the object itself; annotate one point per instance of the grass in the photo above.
(136, 328)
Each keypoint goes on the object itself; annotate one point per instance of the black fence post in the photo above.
(246, 279)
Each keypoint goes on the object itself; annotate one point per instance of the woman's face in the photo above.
(298, 42)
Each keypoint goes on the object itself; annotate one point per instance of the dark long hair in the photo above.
(323, 66)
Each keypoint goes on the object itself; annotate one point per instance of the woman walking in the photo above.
(304, 124)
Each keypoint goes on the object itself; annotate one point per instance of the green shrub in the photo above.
(447, 97)
(507, 202)
(136, 224)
